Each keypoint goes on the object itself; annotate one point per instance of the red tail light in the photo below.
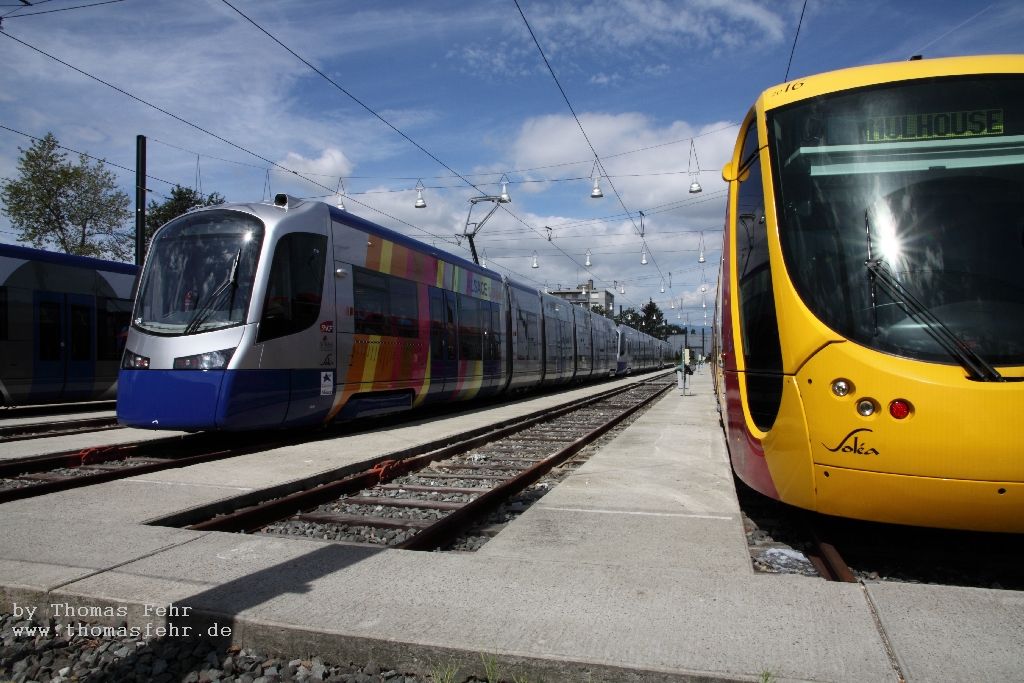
(899, 408)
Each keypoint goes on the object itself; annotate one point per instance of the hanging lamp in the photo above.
(421, 203)
(596, 192)
(694, 183)
(504, 197)
(338, 190)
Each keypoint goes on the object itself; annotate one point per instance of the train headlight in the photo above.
(866, 407)
(211, 360)
(841, 387)
(133, 361)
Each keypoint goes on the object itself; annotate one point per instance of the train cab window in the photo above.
(200, 272)
(758, 322)
(470, 332)
(295, 286)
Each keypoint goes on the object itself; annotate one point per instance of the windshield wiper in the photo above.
(208, 307)
(977, 367)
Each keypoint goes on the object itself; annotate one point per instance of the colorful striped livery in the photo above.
(295, 313)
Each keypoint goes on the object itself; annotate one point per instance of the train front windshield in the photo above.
(924, 180)
(199, 273)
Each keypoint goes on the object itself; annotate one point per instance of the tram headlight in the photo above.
(841, 387)
(133, 361)
(211, 360)
(866, 407)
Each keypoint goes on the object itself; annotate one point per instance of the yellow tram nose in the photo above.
(944, 451)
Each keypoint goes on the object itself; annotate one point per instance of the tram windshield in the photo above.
(924, 179)
(199, 273)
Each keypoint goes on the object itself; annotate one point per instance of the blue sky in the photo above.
(465, 82)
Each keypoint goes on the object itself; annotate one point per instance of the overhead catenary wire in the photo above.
(277, 166)
(583, 131)
(792, 50)
(390, 125)
(12, 15)
(212, 134)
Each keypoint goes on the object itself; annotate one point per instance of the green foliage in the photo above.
(490, 667)
(75, 208)
(649, 319)
(181, 200)
(444, 672)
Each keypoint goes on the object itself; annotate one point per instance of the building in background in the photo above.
(585, 295)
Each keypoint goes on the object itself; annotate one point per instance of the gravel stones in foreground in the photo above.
(51, 657)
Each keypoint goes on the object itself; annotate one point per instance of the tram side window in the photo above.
(442, 325)
(492, 350)
(50, 331)
(522, 345)
(3, 314)
(758, 322)
(370, 295)
(112, 319)
(385, 305)
(528, 346)
(470, 337)
(81, 333)
(403, 309)
(295, 287)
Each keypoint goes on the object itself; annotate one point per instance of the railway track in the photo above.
(37, 430)
(787, 540)
(38, 475)
(426, 500)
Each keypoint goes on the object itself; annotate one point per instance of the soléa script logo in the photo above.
(853, 443)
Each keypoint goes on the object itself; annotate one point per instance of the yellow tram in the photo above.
(870, 309)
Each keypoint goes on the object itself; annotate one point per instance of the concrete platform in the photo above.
(634, 568)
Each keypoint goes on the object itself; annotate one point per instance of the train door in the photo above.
(298, 341)
(49, 352)
(80, 379)
(63, 357)
(444, 361)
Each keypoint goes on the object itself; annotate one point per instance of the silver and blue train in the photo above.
(297, 313)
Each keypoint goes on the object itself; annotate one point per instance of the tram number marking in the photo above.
(855, 446)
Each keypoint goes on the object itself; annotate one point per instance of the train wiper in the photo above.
(977, 367)
(206, 310)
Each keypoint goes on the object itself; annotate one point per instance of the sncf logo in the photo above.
(851, 443)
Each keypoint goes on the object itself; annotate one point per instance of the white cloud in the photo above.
(331, 162)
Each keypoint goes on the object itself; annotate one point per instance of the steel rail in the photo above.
(20, 432)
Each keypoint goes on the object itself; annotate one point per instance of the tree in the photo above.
(628, 317)
(75, 207)
(182, 199)
(652, 320)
